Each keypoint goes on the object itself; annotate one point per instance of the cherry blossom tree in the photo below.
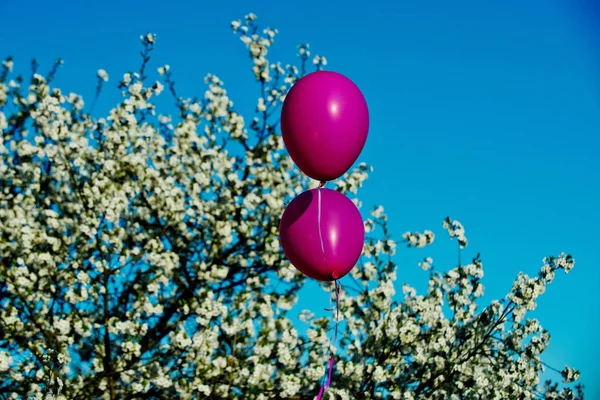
(140, 259)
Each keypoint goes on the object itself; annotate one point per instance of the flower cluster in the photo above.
(456, 230)
(416, 239)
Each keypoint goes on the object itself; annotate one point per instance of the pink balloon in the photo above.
(322, 234)
(324, 124)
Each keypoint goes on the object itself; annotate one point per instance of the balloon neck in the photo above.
(322, 183)
(335, 275)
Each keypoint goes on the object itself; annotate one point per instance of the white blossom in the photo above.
(5, 361)
(102, 75)
(8, 64)
(164, 69)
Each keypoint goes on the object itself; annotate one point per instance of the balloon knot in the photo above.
(335, 275)
(322, 183)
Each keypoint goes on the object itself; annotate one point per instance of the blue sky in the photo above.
(488, 112)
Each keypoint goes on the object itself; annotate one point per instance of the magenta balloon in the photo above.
(331, 253)
(324, 124)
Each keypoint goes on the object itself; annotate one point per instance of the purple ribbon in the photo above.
(323, 389)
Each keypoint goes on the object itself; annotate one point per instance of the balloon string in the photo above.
(335, 315)
(319, 222)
